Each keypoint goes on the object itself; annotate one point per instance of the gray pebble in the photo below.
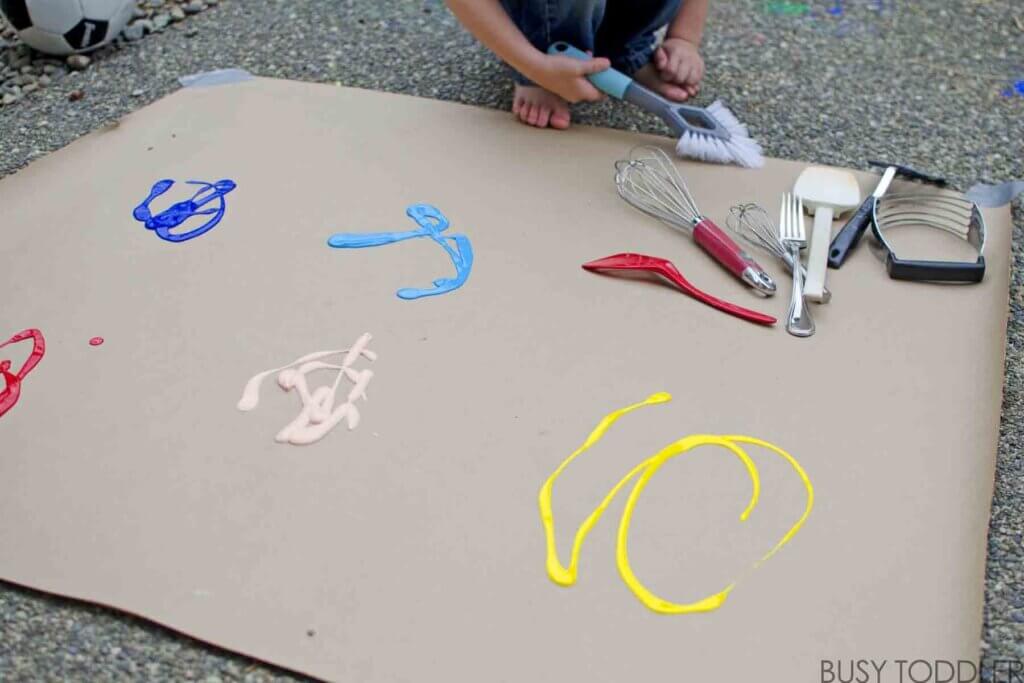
(177, 13)
(161, 21)
(194, 7)
(10, 98)
(45, 80)
(29, 87)
(78, 62)
(134, 31)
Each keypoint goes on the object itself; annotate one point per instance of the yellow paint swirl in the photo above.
(566, 576)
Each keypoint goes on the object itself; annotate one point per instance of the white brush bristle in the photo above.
(739, 149)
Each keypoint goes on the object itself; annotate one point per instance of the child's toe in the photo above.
(560, 119)
(674, 92)
(534, 115)
(543, 117)
(524, 111)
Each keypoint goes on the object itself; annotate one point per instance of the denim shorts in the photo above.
(621, 30)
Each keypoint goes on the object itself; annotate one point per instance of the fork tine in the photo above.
(782, 218)
(792, 224)
(794, 217)
(800, 218)
(788, 216)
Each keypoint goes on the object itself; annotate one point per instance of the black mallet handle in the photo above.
(850, 234)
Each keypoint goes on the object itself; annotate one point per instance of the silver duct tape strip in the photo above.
(992, 196)
(217, 77)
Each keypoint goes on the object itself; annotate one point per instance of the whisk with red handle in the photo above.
(650, 182)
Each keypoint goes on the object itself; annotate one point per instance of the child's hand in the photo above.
(566, 77)
(679, 62)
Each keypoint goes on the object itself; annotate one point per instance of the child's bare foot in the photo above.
(536, 106)
(649, 77)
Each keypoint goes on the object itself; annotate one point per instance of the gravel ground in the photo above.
(937, 84)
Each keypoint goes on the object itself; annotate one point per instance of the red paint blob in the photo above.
(12, 381)
(95, 341)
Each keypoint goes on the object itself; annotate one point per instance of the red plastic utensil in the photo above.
(666, 269)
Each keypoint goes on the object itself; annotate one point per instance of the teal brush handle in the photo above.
(683, 119)
(609, 81)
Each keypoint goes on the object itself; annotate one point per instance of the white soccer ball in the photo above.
(64, 27)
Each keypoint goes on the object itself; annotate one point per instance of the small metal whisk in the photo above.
(650, 182)
(753, 225)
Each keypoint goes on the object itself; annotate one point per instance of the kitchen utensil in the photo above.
(826, 193)
(667, 270)
(791, 231)
(649, 181)
(712, 134)
(846, 239)
(994, 196)
(948, 212)
(752, 223)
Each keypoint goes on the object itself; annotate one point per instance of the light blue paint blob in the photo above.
(176, 214)
(431, 224)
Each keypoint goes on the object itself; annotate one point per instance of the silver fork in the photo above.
(791, 232)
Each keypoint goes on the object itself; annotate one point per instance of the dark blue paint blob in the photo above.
(1014, 90)
(176, 214)
(431, 224)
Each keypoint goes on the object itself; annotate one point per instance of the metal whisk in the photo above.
(752, 223)
(650, 182)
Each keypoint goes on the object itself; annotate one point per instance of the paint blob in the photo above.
(96, 341)
(642, 474)
(431, 224)
(787, 8)
(173, 216)
(840, 18)
(12, 380)
(1016, 89)
(318, 415)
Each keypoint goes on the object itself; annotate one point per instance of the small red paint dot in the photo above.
(95, 341)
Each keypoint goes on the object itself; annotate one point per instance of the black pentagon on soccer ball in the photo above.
(17, 13)
(86, 33)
